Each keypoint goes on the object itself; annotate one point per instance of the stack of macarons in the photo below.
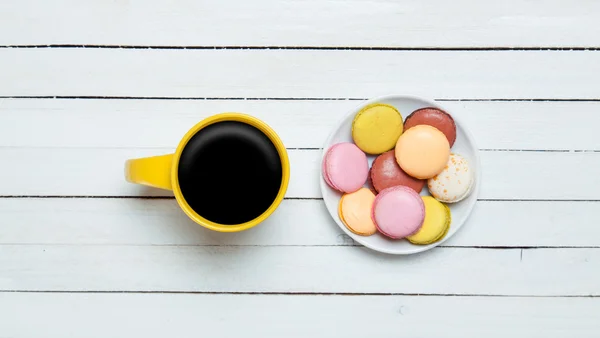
(385, 197)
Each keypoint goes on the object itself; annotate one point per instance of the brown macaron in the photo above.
(385, 172)
(370, 183)
(434, 117)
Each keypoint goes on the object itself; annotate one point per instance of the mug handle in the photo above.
(152, 171)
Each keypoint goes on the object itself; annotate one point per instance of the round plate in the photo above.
(464, 146)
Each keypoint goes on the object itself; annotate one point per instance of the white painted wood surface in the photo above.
(299, 73)
(305, 269)
(160, 315)
(85, 254)
(515, 125)
(388, 23)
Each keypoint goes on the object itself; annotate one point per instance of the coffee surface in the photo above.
(230, 172)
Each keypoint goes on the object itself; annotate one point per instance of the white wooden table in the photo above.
(84, 85)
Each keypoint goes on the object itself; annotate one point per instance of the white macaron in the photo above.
(454, 183)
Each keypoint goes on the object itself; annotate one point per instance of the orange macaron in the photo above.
(422, 151)
(355, 212)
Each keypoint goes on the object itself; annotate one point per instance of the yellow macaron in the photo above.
(436, 224)
(376, 128)
(355, 212)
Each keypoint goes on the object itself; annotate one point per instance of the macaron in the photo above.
(422, 151)
(436, 223)
(434, 117)
(455, 182)
(385, 172)
(355, 212)
(398, 212)
(370, 182)
(376, 128)
(345, 167)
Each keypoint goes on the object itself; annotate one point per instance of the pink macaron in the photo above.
(345, 167)
(398, 212)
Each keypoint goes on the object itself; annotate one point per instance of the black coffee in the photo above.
(229, 172)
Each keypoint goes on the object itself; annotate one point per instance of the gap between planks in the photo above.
(313, 149)
(215, 98)
(348, 48)
(285, 198)
(342, 294)
(459, 247)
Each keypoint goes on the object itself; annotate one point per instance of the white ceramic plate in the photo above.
(464, 146)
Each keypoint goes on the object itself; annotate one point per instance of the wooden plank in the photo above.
(296, 222)
(161, 123)
(299, 73)
(99, 172)
(467, 23)
(539, 272)
(162, 315)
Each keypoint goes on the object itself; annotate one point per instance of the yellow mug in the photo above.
(221, 156)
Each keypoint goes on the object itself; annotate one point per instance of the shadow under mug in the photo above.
(164, 171)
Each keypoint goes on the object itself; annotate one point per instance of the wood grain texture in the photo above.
(465, 23)
(100, 172)
(295, 223)
(299, 73)
(540, 272)
(162, 123)
(161, 315)
(113, 267)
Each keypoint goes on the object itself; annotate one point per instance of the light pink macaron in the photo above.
(345, 167)
(398, 212)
